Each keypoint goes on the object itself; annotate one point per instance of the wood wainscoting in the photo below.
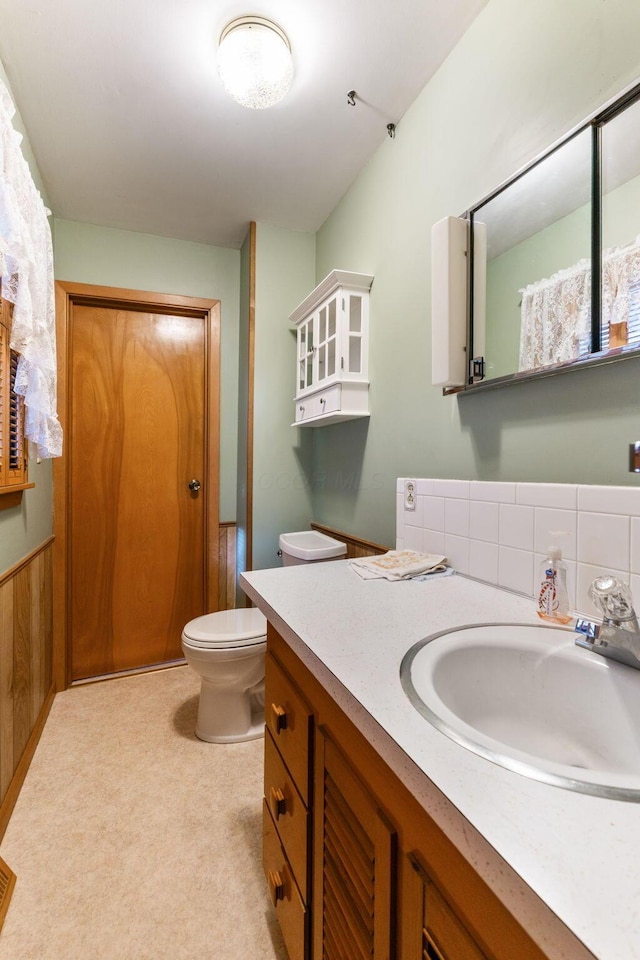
(356, 546)
(26, 668)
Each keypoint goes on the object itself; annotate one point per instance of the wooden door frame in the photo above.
(68, 294)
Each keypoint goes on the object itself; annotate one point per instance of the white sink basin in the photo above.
(525, 697)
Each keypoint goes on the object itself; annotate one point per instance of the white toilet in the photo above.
(309, 546)
(227, 649)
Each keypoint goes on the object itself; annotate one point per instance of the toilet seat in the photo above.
(226, 629)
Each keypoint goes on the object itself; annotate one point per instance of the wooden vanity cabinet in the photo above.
(379, 879)
(354, 857)
(433, 930)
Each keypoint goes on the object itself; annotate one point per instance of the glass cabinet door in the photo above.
(306, 352)
(355, 330)
(327, 340)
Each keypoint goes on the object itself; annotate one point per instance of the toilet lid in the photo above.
(226, 628)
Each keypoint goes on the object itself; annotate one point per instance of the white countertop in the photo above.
(580, 854)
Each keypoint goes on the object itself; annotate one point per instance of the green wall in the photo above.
(523, 75)
(85, 253)
(282, 455)
(24, 528)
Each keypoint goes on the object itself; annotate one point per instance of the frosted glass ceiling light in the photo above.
(254, 62)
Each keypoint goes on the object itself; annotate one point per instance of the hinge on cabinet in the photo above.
(342, 363)
(476, 369)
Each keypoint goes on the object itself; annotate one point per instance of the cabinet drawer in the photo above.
(317, 404)
(288, 812)
(291, 912)
(288, 719)
(329, 400)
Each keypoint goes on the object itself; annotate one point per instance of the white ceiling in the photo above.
(131, 128)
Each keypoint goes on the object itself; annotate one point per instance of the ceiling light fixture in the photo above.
(254, 62)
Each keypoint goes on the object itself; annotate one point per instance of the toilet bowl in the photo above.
(227, 649)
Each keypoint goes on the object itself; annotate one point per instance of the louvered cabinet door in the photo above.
(432, 930)
(354, 857)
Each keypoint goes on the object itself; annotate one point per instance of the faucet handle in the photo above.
(612, 598)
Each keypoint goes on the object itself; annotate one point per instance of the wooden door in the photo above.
(136, 434)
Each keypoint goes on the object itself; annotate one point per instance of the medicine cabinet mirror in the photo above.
(560, 244)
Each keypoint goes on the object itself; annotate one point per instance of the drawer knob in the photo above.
(279, 717)
(276, 886)
(278, 802)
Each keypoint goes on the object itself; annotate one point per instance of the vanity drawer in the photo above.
(288, 812)
(288, 719)
(291, 912)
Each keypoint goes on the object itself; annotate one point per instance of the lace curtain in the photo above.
(26, 270)
(556, 313)
(556, 317)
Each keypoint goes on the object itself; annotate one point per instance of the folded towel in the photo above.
(398, 565)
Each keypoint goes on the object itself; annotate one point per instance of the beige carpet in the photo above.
(133, 840)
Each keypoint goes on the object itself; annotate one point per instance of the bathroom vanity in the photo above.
(382, 837)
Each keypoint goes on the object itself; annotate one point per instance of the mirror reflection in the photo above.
(621, 230)
(533, 244)
(538, 270)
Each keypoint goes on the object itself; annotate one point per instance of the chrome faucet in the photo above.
(618, 637)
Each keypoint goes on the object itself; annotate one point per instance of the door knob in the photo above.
(194, 485)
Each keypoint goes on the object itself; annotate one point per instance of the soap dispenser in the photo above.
(553, 600)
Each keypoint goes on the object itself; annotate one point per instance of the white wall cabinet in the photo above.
(332, 375)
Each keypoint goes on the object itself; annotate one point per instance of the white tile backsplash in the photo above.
(456, 517)
(635, 545)
(413, 537)
(500, 532)
(492, 490)
(456, 549)
(516, 526)
(424, 488)
(452, 488)
(621, 500)
(555, 528)
(483, 560)
(433, 542)
(604, 538)
(563, 496)
(484, 521)
(434, 513)
(515, 569)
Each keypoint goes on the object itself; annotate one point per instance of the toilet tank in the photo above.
(309, 546)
